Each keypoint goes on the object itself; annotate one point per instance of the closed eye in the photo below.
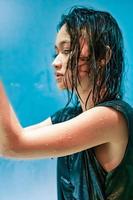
(66, 51)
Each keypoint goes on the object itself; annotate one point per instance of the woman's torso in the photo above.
(81, 177)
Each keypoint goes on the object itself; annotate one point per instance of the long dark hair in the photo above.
(102, 30)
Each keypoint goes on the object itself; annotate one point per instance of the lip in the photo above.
(58, 76)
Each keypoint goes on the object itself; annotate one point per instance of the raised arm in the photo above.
(99, 125)
(10, 127)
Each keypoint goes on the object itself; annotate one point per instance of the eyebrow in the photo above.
(62, 43)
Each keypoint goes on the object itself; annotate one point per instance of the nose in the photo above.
(57, 62)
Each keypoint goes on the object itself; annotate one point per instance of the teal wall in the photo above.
(27, 34)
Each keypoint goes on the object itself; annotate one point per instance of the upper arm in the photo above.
(96, 126)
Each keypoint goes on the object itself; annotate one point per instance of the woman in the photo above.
(92, 139)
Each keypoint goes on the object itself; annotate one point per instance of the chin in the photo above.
(63, 87)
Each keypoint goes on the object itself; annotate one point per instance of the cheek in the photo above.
(68, 75)
(68, 79)
(64, 60)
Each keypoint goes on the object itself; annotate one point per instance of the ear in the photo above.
(104, 61)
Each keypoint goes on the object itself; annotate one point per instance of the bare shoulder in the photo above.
(108, 117)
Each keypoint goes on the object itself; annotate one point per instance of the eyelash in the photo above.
(65, 52)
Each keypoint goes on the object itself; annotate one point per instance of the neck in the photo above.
(84, 88)
(85, 101)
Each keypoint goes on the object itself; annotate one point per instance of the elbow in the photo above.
(12, 146)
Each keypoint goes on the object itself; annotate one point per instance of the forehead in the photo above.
(62, 36)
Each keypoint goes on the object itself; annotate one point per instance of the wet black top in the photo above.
(81, 177)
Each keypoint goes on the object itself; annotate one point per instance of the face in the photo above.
(63, 51)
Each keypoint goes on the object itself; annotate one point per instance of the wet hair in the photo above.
(101, 31)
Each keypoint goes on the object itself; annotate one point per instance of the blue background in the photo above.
(27, 34)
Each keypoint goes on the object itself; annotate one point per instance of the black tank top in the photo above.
(81, 177)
